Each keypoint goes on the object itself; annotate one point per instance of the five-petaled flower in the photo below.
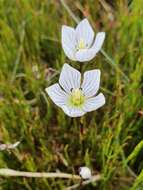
(74, 95)
(79, 44)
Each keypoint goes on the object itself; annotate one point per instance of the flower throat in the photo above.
(77, 98)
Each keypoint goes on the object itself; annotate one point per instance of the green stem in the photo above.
(77, 20)
(19, 53)
(112, 63)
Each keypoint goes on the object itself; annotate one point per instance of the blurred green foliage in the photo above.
(31, 58)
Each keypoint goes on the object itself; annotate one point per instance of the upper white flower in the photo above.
(85, 172)
(79, 43)
(73, 97)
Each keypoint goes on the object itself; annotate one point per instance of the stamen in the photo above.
(81, 44)
(77, 98)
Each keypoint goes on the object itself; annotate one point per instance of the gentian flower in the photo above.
(75, 98)
(79, 44)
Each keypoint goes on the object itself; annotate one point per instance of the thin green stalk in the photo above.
(19, 53)
(132, 157)
(112, 63)
(75, 18)
(138, 184)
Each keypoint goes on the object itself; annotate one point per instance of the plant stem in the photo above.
(19, 53)
(77, 20)
(93, 179)
(14, 173)
(112, 63)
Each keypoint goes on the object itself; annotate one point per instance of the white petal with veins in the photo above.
(70, 78)
(94, 103)
(85, 55)
(85, 32)
(91, 82)
(69, 41)
(73, 112)
(58, 96)
(100, 37)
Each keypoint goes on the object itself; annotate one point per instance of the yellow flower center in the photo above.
(77, 98)
(81, 44)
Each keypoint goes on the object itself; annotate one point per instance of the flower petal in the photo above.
(73, 112)
(85, 32)
(69, 41)
(98, 41)
(84, 55)
(70, 78)
(58, 96)
(94, 103)
(91, 82)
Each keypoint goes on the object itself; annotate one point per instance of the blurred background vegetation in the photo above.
(30, 60)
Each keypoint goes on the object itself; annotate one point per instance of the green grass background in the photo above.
(31, 57)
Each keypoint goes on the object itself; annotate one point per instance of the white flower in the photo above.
(79, 43)
(85, 172)
(73, 97)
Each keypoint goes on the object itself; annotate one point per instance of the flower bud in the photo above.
(85, 172)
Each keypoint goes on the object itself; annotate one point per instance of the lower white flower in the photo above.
(73, 97)
(85, 172)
